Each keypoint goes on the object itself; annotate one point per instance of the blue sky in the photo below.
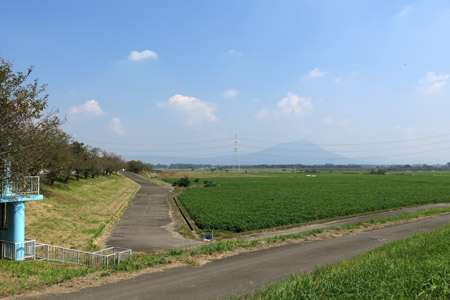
(145, 78)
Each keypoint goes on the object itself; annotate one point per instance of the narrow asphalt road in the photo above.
(146, 224)
(243, 273)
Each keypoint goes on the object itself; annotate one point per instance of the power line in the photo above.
(179, 147)
(155, 144)
(351, 144)
(345, 151)
(265, 141)
(354, 158)
(178, 150)
(188, 156)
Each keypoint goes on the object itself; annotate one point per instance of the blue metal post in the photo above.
(15, 214)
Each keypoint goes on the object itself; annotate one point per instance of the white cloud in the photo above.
(195, 110)
(116, 126)
(316, 73)
(146, 54)
(338, 80)
(230, 93)
(234, 53)
(89, 107)
(292, 104)
(432, 82)
(344, 123)
(262, 114)
(404, 11)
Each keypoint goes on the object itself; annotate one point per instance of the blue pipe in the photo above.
(15, 214)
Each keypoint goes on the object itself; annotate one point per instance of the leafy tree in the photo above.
(182, 182)
(23, 124)
(137, 166)
(112, 163)
(57, 163)
(94, 162)
(81, 158)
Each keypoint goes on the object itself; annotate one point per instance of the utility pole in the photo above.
(236, 165)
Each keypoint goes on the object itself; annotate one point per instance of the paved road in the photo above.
(242, 274)
(146, 223)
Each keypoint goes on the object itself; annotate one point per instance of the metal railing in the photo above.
(114, 255)
(109, 256)
(27, 185)
(32, 250)
(18, 251)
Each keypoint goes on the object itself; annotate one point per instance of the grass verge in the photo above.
(21, 277)
(414, 268)
(73, 215)
(195, 255)
(144, 175)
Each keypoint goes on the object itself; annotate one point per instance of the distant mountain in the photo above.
(298, 152)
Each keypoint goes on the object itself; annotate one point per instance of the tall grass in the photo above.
(73, 215)
(415, 268)
(20, 277)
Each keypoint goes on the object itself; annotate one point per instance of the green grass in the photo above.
(146, 177)
(73, 215)
(144, 260)
(415, 268)
(253, 203)
(20, 277)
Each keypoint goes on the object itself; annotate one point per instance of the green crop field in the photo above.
(251, 203)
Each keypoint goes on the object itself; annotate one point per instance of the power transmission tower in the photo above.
(236, 165)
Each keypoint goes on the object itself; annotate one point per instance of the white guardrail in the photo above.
(23, 186)
(17, 251)
(30, 249)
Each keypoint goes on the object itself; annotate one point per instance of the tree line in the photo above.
(32, 141)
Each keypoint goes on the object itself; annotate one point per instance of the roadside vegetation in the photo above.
(414, 268)
(74, 215)
(21, 277)
(71, 215)
(254, 203)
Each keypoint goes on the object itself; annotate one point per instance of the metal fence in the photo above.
(32, 250)
(18, 251)
(24, 185)
(109, 256)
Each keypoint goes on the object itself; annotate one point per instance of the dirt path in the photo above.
(243, 273)
(147, 224)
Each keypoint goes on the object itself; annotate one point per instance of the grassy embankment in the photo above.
(19, 277)
(415, 268)
(71, 215)
(74, 215)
